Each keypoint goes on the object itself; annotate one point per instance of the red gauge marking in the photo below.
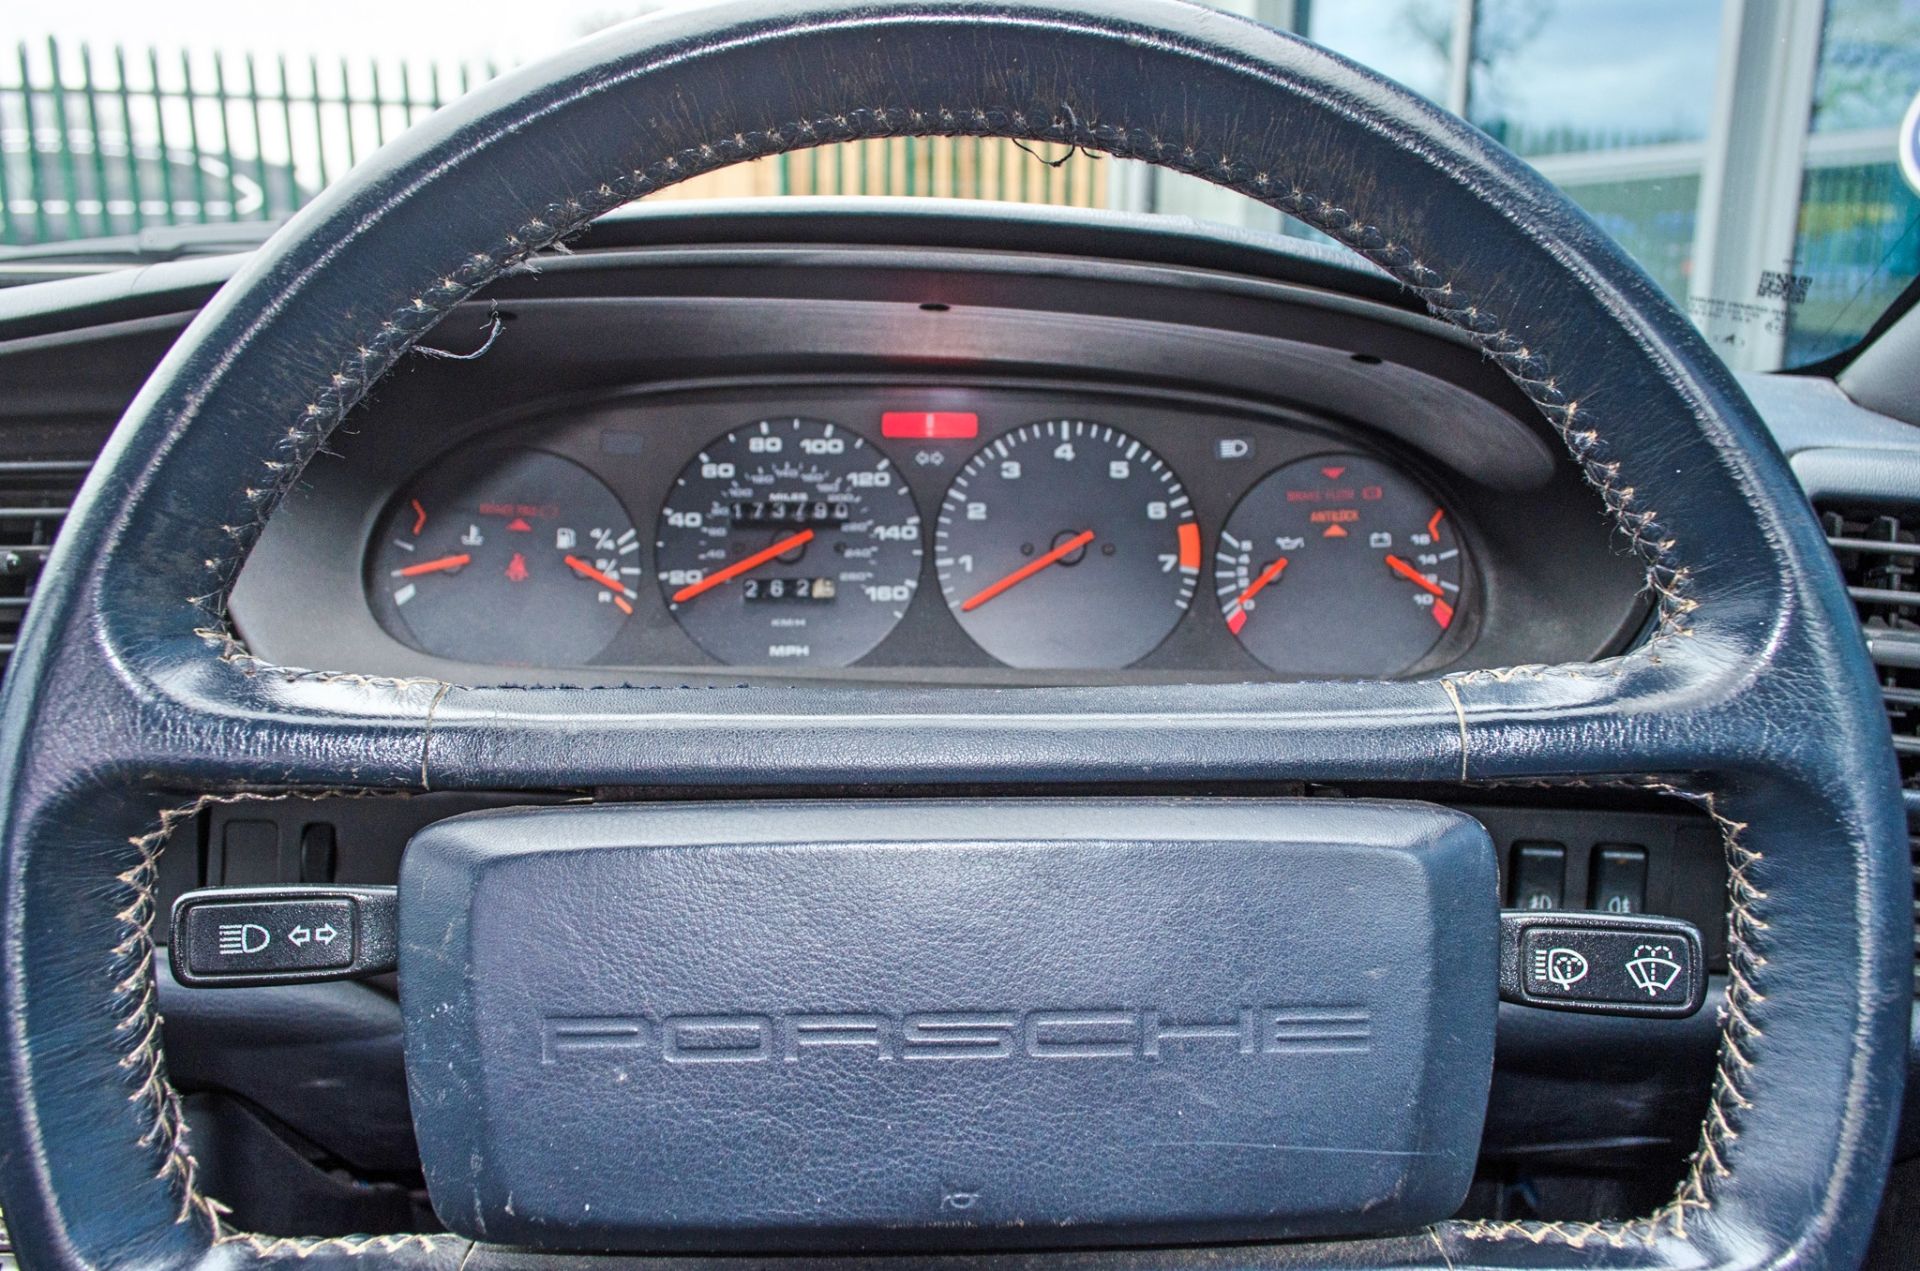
(1254, 588)
(435, 566)
(419, 518)
(517, 569)
(1027, 571)
(738, 567)
(1442, 611)
(1433, 525)
(929, 425)
(1189, 546)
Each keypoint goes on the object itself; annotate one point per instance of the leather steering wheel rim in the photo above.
(131, 701)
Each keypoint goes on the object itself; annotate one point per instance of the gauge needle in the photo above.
(611, 583)
(742, 565)
(435, 566)
(1254, 588)
(1442, 611)
(1027, 571)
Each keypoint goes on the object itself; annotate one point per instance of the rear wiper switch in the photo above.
(1605, 964)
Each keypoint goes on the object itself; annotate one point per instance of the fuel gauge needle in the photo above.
(438, 565)
(612, 584)
(1442, 611)
(1254, 588)
(1027, 571)
(741, 566)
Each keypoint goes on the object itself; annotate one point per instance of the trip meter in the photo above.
(1339, 565)
(788, 542)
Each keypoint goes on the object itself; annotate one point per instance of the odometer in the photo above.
(1067, 544)
(788, 542)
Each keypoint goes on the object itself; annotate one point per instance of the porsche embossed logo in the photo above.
(1054, 1034)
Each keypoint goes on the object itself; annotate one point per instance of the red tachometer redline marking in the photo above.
(419, 518)
(1433, 525)
(1189, 545)
(742, 565)
(1027, 571)
(1442, 611)
(433, 566)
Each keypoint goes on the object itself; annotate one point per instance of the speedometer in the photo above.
(788, 542)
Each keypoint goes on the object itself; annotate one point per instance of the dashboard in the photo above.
(827, 526)
(769, 463)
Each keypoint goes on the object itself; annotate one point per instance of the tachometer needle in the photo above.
(1027, 571)
(1254, 588)
(435, 566)
(742, 565)
(1442, 611)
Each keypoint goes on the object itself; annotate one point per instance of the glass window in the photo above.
(1406, 40)
(1869, 64)
(1577, 76)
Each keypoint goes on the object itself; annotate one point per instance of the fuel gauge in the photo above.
(516, 557)
(1339, 565)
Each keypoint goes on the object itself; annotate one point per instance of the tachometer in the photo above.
(1067, 544)
(788, 541)
(508, 556)
(1339, 565)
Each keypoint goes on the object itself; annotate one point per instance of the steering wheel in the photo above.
(131, 703)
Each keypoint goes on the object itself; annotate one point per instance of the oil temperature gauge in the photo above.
(1339, 565)
(515, 557)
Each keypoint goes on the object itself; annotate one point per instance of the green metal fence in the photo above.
(96, 142)
(111, 141)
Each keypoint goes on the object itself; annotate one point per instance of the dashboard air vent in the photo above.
(1880, 557)
(34, 496)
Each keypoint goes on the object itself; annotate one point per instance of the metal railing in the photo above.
(106, 142)
(110, 142)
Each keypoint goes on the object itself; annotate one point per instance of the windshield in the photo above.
(1743, 152)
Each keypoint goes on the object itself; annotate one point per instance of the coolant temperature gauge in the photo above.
(510, 557)
(1339, 565)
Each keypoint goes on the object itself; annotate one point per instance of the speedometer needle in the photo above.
(1027, 571)
(1442, 611)
(741, 566)
(433, 566)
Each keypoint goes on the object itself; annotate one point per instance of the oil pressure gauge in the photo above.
(1339, 565)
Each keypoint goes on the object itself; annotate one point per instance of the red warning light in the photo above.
(517, 569)
(929, 425)
(520, 525)
(1332, 474)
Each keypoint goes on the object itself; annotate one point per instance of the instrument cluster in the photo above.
(941, 526)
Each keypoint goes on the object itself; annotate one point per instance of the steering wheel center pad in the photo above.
(129, 691)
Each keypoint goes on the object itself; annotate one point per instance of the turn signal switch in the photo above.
(1605, 964)
(242, 937)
